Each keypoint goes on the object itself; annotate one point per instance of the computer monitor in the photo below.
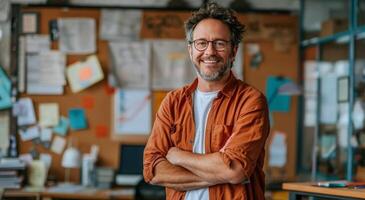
(131, 164)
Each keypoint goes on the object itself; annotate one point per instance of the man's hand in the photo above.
(173, 155)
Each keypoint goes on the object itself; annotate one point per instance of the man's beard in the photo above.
(218, 75)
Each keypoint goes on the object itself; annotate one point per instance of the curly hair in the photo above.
(214, 11)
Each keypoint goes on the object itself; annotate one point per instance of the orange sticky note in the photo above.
(85, 74)
(88, 102)
(101, 131)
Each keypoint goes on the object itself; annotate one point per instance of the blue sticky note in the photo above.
(5, 80)
(77, 118)
(277, 102)
(62, 126)
(5, 100)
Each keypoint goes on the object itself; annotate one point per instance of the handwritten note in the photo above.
(48, 114)
(84, 74)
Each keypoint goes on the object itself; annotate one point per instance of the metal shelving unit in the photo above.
(347, 37)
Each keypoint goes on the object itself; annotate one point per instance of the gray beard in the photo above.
(216, 75)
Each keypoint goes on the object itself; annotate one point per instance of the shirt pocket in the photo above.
(176, 134)
(220, 135)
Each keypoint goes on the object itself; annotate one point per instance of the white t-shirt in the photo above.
(202, 104)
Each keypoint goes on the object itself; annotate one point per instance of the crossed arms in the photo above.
(183, 170)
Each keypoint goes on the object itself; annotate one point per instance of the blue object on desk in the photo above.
(77, 118)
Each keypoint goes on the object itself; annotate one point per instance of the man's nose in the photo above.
(210, 49)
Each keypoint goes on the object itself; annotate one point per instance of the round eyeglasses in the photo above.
(202, 44)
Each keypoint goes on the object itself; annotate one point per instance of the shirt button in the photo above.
(191, 141)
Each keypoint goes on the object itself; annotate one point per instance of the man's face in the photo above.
(211, 64)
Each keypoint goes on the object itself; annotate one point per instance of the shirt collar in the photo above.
(227, 90)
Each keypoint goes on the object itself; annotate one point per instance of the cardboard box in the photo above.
(332, 26)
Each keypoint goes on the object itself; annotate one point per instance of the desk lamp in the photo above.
(70, 159)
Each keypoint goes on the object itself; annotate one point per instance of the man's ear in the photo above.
(234, 51)
(190, 49)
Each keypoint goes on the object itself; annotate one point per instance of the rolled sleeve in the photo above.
(159, 141)
(249, 135)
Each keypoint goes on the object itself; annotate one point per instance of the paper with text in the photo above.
(171, 65)
(131, 63)
(48, 114)
(58, 144)
(77, 35)
(82, 75)
(120, 24)
(278, 150)
(132, 112)
(24, 110)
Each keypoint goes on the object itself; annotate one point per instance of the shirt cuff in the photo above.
(149, 168)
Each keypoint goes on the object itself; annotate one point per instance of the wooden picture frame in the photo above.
(29, 23)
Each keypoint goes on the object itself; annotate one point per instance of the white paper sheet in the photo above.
(278, 150)
(4, 132)
(132, 112)
(120, 24)
(46, 134)
(46, 68)
(29, 133)
(5, 37)
(58, 144)
(328, 99)
(24, 110)
(37, 43)
(82, 75)
(46, 158)
(171, 65)
(48, 114)
(131, 63)
(21, 64)
(4, 10)
(77, 35)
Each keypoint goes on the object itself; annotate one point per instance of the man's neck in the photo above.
(211, 86)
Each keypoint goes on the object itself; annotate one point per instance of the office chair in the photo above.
(145, 191)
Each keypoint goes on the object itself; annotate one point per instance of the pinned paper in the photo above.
(84, 74)
(30, 133)
(278, 150)
(101, 131)
(24, 110)
(46, 158)
(62, 126)
(58, 144)
(77, 119)
(46, 134)
(48, 114)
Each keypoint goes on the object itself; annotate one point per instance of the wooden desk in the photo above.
(93, 194)
(299, 190)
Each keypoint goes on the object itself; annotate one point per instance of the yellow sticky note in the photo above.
(48, 114)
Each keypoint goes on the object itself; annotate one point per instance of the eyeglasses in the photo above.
(202, 44)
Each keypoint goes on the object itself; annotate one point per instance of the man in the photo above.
(208, 138)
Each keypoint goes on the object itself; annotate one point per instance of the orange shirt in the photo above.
(237, 126)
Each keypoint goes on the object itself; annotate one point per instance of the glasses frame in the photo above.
(210, 41)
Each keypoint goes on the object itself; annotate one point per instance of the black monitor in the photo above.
(131, 159)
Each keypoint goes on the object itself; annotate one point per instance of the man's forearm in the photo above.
(210, 167)
(188, 186)
(169, 175)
